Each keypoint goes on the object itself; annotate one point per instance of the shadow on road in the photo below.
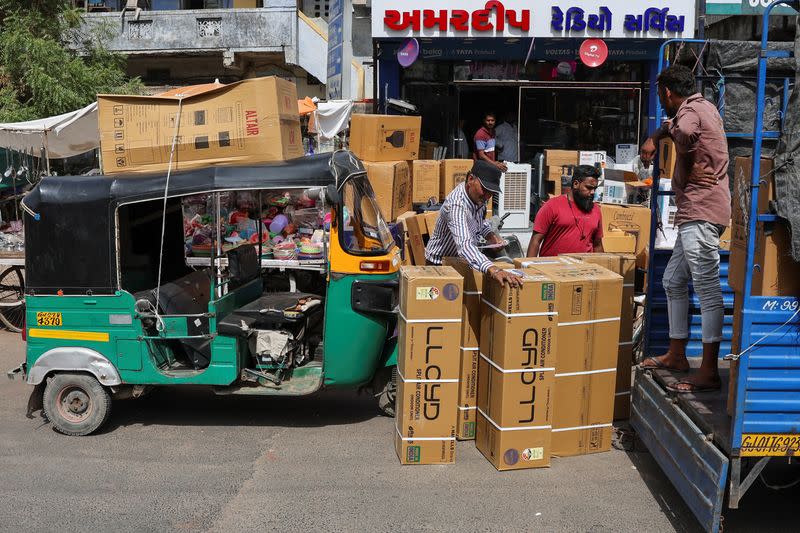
(196, 406)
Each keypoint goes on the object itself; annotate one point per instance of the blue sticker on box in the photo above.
(450, 291)
(511, 457)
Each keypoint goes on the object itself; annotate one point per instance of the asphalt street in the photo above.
(183, 459)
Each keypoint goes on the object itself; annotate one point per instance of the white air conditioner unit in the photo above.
(515, 200)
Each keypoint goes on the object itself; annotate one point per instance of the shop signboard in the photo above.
(744, 7)
(339, 54)
(606, 19)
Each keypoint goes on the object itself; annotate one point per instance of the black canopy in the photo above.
(70, 244)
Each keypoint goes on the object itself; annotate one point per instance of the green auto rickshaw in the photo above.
(278, 279)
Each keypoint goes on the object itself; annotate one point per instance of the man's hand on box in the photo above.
(505, 277)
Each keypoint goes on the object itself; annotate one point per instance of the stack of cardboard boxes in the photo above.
(428, 364)
(557, 164)
(470, 347)
(516, 371)
(386, 144)
(247, 122)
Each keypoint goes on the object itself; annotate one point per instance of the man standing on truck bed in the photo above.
(700, 182)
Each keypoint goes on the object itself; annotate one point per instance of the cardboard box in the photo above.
(471, 315)
(453, 172)
(392, 185)
(518, 326)
(554, 179)
(468, 378)
(633, 220)
(467, 418)
(559, 158)
(430, 292)
(512, 450)
(528, 262)
(427, 409)
(778, 274)
(385, 137)
(666, 158)
(247, 122)
(516, 397)
(424, 180)
(425, 452)
(589, 300)
(618, 241)
(622, 390)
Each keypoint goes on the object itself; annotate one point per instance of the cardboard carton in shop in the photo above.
(617, 241)
(385, 137)
(453, 172)
(392, 186)
(246, 122)
(633, 220)
(589, 300)
(512, 450)
(424, 180)
(560, 158)
(425, 452)
(518, 325)
(779, 274)
(666, 158)
(471, 313)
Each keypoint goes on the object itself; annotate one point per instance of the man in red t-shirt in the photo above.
(486, 143)
(570, 223)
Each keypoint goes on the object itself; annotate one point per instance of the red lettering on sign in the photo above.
(493, 16)
(251, 122)
(433, 18)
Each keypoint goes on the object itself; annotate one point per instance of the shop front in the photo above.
(575, 76)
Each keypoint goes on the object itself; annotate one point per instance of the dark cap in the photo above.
(488, 174)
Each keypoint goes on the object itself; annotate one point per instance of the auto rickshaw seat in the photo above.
(273, 311)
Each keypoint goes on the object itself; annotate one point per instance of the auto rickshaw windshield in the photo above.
(364, 229)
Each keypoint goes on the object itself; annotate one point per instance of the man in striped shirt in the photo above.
(462, 220)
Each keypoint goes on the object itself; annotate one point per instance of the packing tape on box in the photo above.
(525, 428)
(428, 320)
(420, 438)
(587, 372)
(513, 315)
(595, 321)
(517, 370)
(466, 408)
(470, 349)
(425, 380)
(472, 293)
(577, 428)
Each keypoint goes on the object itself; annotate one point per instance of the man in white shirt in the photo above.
(506, 135)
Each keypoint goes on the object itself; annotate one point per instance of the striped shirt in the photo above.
(457, 229)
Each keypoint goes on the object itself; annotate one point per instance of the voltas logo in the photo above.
(251, 122)
(431, 407)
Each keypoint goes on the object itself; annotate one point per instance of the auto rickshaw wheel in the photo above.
(76, 404)
(387, 395)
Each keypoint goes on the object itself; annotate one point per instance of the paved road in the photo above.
(185, 460)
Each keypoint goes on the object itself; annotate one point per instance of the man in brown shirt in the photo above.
(700, 182)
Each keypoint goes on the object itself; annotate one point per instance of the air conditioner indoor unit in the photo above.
(516, 196)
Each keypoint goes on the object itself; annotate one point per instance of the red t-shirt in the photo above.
(567, 229)
(485, 140)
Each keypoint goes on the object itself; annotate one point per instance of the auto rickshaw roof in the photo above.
(70, 221)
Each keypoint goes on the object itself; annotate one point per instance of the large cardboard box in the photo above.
(427, 409)
(425, 452)
(453, 172)
(666, 158)
(512, 450)
(385, 137)
(424, 180)
(392, 185)
(633, 220)
(516, 397)
(617, 241)
(559, 158)
(779, 274)
(518, 326)
(246, 122)
(471, 313)
(589, 300)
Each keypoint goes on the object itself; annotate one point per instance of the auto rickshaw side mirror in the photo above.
(332, 194)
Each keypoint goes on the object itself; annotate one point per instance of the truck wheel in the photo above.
(388, 393)
(76, 404)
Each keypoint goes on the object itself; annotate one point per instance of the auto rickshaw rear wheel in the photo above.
(387, 393)
(76, 404)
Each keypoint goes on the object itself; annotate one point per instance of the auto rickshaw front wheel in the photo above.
(76, 404)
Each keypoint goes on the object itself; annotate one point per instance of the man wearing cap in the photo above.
(463, 218)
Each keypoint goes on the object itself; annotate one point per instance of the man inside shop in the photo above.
(700, 182)
(462, 219)
(486, 143)
(506, 138)
(570, 223)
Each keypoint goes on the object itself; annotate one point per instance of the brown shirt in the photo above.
(700, 146)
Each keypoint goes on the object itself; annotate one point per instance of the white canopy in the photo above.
(61, 136)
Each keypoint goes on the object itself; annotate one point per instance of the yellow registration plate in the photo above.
(769, 444)
(48, 319)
